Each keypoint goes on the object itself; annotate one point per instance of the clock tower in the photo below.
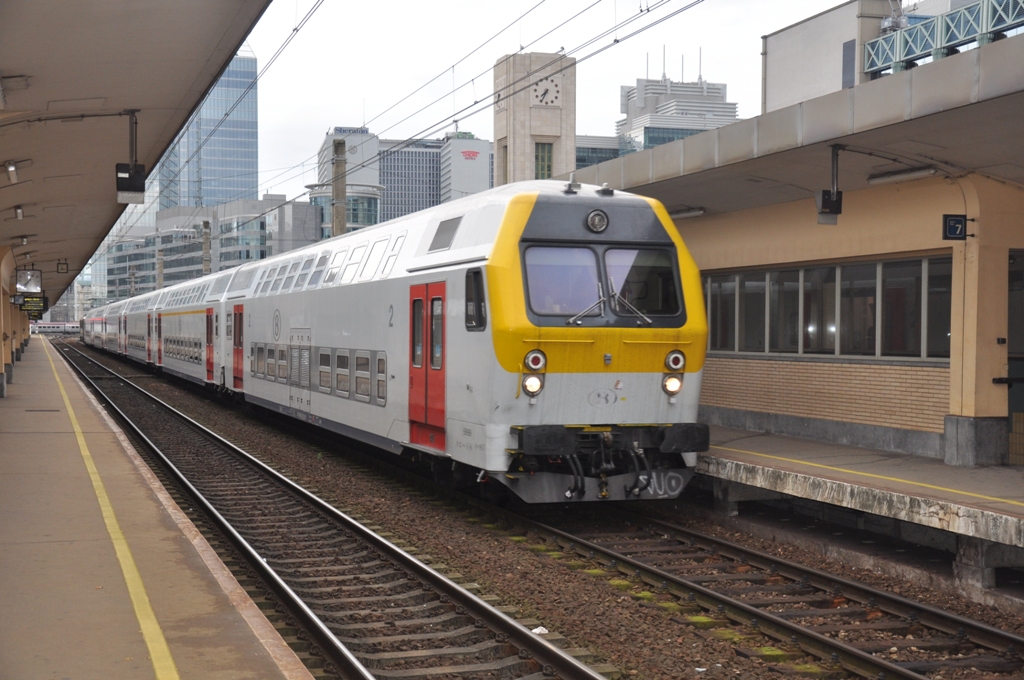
(534, 117)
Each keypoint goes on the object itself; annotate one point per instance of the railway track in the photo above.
(735, 593)
(368, 608)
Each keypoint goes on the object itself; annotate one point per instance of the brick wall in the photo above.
(906, 397)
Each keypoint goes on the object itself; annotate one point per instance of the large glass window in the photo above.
(645, 279)
(543, 157)
(820, 310)
(562, 281)
(858, 296)
(752, 289)
(722, 312)
(940, 286)
(901, 308)
(784, 311)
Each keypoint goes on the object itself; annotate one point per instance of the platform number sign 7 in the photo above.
(954, 227)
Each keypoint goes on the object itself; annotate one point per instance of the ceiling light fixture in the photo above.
(902, 176)
(12, 171)
(24, 240)
(683, 214)
(19, 213)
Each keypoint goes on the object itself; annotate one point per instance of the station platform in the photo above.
(103, 575)
(981, 508)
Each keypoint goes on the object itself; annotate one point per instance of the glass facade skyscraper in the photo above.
(208, 165)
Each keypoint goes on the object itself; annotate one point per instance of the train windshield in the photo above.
(641, 279)
(562, 281)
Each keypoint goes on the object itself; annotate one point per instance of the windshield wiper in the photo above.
(600, 301)
(625, 302)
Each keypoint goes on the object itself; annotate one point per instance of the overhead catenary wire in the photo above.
(291, 35)
(527, 78)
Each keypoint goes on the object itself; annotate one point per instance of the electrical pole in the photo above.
(339, 203)
(206, 247)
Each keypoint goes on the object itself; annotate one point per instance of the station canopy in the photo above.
(69, 72)
(954, 116)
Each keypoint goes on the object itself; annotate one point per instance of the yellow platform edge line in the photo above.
(871, 475)
(159, 652)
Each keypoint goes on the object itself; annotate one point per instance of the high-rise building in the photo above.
(662, 111)
(215, 159)
(212, 161)
(389, 178)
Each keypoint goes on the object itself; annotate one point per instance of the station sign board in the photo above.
(35, 316)
(34, 303)
(954, 227)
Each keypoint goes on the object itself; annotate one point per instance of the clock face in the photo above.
(29, 281)
(548, 92)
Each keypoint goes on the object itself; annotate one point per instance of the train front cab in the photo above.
(598, 316)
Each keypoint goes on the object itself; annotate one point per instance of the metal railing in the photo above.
(938, 36)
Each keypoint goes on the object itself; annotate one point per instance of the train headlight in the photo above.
(675, 360)
(672, 384)
(597, 221)
(533, 384)
(535, 360)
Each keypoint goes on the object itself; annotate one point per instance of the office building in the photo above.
(389, 178)
(215, 159)
(662, 111)
(239, 232)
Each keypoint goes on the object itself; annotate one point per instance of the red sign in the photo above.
(470, 155)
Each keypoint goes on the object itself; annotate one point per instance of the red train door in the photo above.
(149, 338)
(238, 349)
(159, 339)
(427, 365)
(209, 344)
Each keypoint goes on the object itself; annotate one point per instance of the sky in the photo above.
(350, 64)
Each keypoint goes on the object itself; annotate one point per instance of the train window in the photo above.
(282, 364)
(280, 279)
(382, 378)
(261, 360)
(271, 363)
(341, 374)
(436, 332)
(220, 285)
(389, 264)
(286, 286)
(476, 306)
(417, 333)
(300, 281)
(562, 281)
(242, 280)
(373, 260)
(325, 370)
(336, 262)
(444, 235)
(363, 376)
(314, 278)
(269, 280)
(645, 279)
(353, 264)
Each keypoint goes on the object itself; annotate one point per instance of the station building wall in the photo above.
(887, 380)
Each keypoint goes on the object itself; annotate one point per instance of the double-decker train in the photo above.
(545, 336)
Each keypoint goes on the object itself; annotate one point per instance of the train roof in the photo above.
(454, 233)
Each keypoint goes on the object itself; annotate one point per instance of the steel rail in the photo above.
(332, 648)
(553, 661)
(815, 644)
(980, 633)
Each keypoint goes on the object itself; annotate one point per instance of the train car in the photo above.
(544, 336)
(53, 327)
